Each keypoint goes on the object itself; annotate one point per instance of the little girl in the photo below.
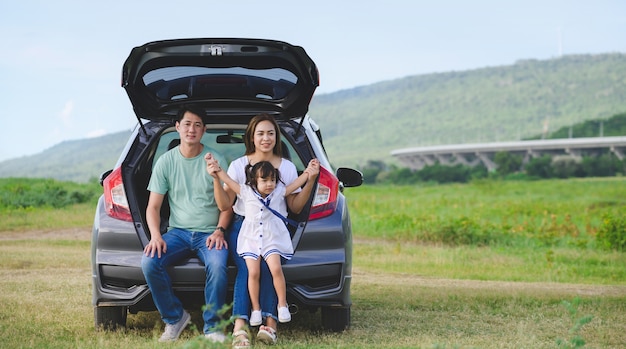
(263, 231)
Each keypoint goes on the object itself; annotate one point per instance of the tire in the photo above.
(110, 318)
(335, 319)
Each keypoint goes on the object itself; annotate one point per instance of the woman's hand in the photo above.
(313, 169)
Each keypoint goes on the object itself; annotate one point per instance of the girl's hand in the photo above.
(212, 166)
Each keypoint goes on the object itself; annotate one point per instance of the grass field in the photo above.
(538, 285)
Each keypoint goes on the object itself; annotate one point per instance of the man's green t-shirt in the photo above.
(189, 188)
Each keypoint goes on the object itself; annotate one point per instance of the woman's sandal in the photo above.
(266, 335)
(241, 340)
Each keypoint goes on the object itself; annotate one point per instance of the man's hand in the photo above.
(156, 245)
(216, 240)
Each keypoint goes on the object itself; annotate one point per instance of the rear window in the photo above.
(194, 83)
(229, 143)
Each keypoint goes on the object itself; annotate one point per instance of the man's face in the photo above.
(190, 128)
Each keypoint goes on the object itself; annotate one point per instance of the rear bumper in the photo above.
(116, 285)
(319, 274)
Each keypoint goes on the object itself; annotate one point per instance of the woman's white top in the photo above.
(237, 171)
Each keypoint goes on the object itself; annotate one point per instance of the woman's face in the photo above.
(264, 137)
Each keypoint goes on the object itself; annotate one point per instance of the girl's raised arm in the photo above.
(309, 173)
(214, 169)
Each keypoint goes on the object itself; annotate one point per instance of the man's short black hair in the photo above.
(192, 109)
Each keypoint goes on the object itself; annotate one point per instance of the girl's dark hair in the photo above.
(263, 169)
(249, 137)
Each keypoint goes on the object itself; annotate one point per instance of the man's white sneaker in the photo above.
(283, 314)
(172, 332)
(216, 337)
(256, 318)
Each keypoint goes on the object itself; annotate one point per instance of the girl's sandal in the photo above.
(266, 335)
(241, 340)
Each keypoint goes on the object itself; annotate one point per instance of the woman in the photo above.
(262, 140)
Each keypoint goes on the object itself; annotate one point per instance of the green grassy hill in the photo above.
(78, 160)
(505, 103)
(485, 105)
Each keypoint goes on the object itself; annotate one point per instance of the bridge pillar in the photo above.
(460, 159)
(414, 163)
(617, 152)
(428, 160)
(490, 165)
(443, 159)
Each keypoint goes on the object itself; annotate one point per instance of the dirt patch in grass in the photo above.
(409, 280)
(52, 234)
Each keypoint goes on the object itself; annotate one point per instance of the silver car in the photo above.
(231, 80)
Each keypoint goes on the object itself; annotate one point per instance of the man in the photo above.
(195, 227)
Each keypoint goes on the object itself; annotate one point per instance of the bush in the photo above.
(540, 167)
(33, 192)
(566, 167)
(445, 174)
(612, 233)
(602, 166)
(507, 162)
(462, 231)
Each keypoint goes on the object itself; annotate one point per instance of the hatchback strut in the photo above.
(143, 128)
(300, 125)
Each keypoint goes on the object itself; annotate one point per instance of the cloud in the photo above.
(66, 113)
(96, 133)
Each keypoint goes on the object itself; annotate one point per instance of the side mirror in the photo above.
(349, 177)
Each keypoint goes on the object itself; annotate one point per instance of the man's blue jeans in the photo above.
(182, 244)
(241, 297)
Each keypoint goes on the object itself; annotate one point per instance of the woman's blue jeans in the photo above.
(182, 244)
(241, 297)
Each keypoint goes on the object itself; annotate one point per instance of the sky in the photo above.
(60, 61)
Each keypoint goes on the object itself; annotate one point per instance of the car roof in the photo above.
(223, 76)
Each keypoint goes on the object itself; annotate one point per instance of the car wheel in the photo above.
(110, 318)
(336, 319)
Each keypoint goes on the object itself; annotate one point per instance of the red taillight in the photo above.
(325, 200)
(115, 196)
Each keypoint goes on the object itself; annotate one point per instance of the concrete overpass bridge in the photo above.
(474, 154)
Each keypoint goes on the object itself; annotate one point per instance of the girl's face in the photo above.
(265, 186)
(264, 137)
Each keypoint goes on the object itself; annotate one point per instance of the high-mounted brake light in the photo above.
(325, 200)
(115, 196)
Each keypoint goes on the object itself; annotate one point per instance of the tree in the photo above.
(371, 170)
(507, 163)
(540, 167)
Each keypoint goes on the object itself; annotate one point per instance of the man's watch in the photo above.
(220, 228)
